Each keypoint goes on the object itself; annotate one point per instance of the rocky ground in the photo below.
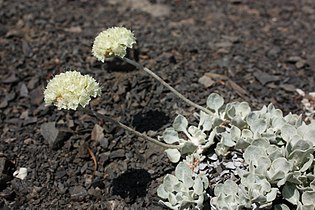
(254, 51)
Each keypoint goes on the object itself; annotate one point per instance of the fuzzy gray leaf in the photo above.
(291, 193)
(215, 101)
(173, 155)
(308, 198)
(170, 136)
(181, 170)
(180, 123)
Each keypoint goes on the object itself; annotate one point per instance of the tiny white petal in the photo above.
(21, 173)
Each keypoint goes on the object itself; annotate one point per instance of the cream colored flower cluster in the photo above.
(70, 89)
(112, 42)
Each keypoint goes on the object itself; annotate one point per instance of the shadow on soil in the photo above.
(131, 184)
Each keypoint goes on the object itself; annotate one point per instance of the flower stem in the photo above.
(127, 128)
(151, 73)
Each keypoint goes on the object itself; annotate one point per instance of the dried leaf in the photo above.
(97, 133)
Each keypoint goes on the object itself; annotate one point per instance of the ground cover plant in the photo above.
(276, 151)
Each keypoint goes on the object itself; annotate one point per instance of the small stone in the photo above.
(78, 193)
(37, 95)
(61, 188)
(206, 81)
(60, 173)
(97, 133)
(95, 192)
(120, 153)
(11, 79)
(288, 87)
(53, 136)
(274, 52)
(300, 64)
(28, 141)
(294, 59)
(104, 143)
(264, 77)
(224, 44)
(23, 90)
(4, 103)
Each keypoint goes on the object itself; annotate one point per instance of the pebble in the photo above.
(300, 64)
(117, 154)
(274, 52)
(78, 193)
(53, 136)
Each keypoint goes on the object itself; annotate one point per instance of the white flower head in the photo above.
(112, 42)
(70, 89)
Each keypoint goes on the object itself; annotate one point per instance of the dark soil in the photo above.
(262, 50)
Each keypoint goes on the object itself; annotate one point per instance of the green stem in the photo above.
(127, 128)
(139, 66)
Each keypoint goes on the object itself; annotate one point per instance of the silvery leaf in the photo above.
(308, 164)
(221, 149)
(172, 199)
(170, 136)
(299, 157)
(281, 207)
(188, 148)
(205, 121)
(173, 155)
(263, 163)
(181, 170)
(169, 205)
(258, 126)
(180, 123)
(230, 111)
(227, 140)
(291, 118)
(169, 182)
(246, 133)
(253, 153)
(272, 194)
(274, 152)
(198, 186)
(228, 187)
(278, 122)
(302, 145)
(205, 181)
(235, 132)
(215, 101)
(188, 181)
(243, 109)
(291, 193)
(287, 131)
(282, 164)
(261, 143)
(161, 192)
(238, 122)
(308, 198)
(197, 135)
(251, 118)
(307, 132)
